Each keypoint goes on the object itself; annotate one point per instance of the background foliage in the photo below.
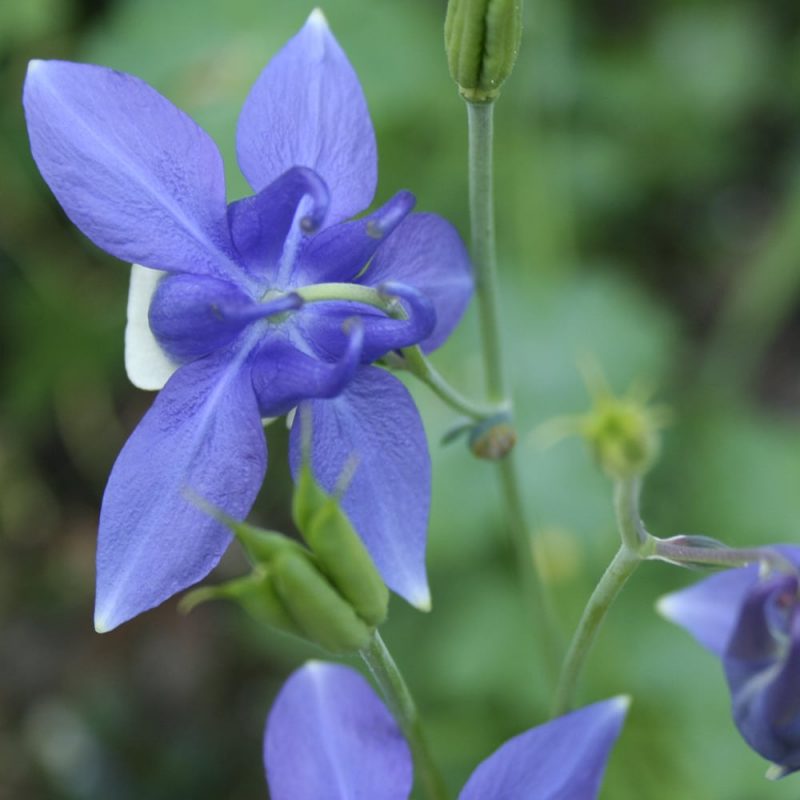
(649, 215)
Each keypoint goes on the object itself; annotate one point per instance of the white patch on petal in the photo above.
(147, 365)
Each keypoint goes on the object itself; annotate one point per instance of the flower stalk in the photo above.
(481, 200)
(398, 698)
(636, 545)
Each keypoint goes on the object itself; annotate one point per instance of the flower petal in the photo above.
(329, 736)
(202, 436)
(762, 661)
(375, 421)
(323, 326)
(284, 375)
(193, 315)
(708, 610)
(307, 109)
(147, 364)
(132, 171)
(564, 758)
(261, 223)
(341, 252)
(427, 253)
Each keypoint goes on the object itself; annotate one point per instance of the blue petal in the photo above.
(133, 172)
(375, 421)
(341, 252)
(329, 736)
(284, 375)
(709, 610)
(762, 666)
(322, 324)
(307, 109)
(260, 224)
(192, 315)
(427, 253)
(201, 437)
(561, 760)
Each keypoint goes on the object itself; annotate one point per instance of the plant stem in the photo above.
(398, 697)
(614, 578)
(419, 366)
(481, 201)
(636, 545)
(480, 118)
(677, 551)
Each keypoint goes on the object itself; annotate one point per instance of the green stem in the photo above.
(480, 119)
(614, 578)
(629, 521)
(419, 366)
(637, 544)
(401, 704)
(677, 551)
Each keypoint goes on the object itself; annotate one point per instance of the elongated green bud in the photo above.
(309, 497)
(342, 555)
(339, 550)
(482, 39)
(317, 608)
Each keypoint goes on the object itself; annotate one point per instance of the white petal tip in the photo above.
(622, 703)
(102, 624)
(421, 600)
(318, 19)
(666, 607)
(35, 64)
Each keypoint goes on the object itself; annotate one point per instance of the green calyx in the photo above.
(482, 40)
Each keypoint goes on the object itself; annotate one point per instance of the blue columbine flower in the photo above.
(329, 735)
(243, 310)
(752, 623)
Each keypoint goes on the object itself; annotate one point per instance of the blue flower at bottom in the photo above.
(752, 624)
(330, 736)
(242, 311)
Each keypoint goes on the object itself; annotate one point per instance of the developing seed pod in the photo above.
(318, 609)
(345, 560)
(255, 593)
(309, 497)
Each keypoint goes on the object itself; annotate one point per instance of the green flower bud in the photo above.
(317, 608)
(482, 41)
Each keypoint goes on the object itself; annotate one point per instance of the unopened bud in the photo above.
(482, 41)
(494, 438)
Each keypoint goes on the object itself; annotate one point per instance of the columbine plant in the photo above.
(241, 312)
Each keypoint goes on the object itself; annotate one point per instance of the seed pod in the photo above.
(345, 560)
(309, 497)
(482, 41)
(318, 609)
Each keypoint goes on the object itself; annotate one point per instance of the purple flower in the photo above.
(752, 623)
(246, 309)
(329, 735)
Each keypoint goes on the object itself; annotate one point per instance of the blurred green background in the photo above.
(648, 192)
